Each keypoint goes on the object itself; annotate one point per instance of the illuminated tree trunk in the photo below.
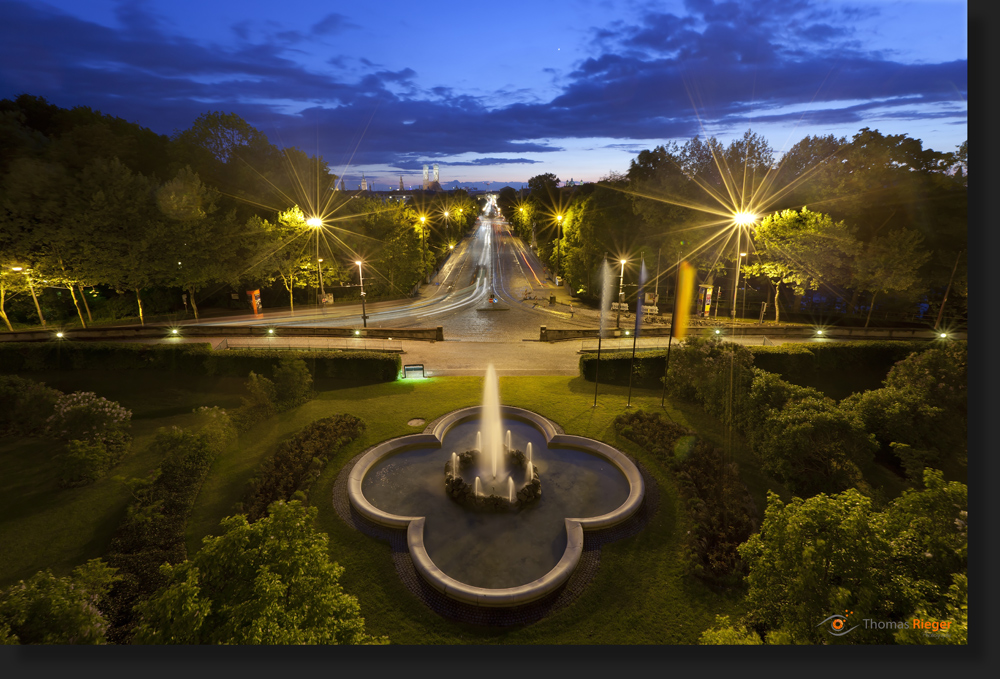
(138, 299)
(871, 308)
(86, 306)
(777, 309)
(194, 306)
(77, 305)
(3, 313)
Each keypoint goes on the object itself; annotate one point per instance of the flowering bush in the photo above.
(86, 416)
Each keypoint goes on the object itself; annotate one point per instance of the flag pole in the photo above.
(600, 332)
(635, 333)
(675, 327)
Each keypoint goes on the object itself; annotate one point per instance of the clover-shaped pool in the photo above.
(503, 558)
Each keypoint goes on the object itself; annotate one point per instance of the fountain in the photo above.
(492, 539)
(494, 458)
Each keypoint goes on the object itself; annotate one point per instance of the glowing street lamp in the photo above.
(361, 280)
(741, 219)
(33, 296)
(621, 294)
(423, 249)
(317, 223)
(559, 234)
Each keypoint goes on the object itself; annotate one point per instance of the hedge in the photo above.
(792, 361)
(718, 502)
(152, 531)
(795, 361)
(196, 358)
(297, 463)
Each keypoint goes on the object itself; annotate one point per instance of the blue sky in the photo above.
(500, 92)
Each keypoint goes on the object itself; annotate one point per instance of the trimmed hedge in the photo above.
(25, 405)
(792, 361)
(358, 366)
(718, 502)
(298, 462)
(795, 361)
(152, 532)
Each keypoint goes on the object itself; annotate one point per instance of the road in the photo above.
(491, 264)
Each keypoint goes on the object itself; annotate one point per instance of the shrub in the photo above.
(84, 415)
(258, 404)
(292, 382)
(795, 362)
(656, 435)
(298, 462)
(152, 532)
(90, 460)
(716, 374)
(813, 446)
(719, 504)
(25, 405)
(52, 610)
(768, 393)
(940, 374)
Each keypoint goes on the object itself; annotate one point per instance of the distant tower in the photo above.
(364, 182)
(341, 183)
(426, 179)
(435, 172)
(400, 182)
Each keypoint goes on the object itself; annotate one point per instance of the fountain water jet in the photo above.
(492, 433)
(529, 451)
(510, 489)
(476, 489)
(507, 442)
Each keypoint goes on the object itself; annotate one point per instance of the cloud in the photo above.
(333, 23)
(662, 76)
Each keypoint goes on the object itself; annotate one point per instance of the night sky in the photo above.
(500, 91)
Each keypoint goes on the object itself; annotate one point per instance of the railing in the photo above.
(311, 344)
(651, 343)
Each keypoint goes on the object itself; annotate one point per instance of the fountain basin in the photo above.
(574, 527)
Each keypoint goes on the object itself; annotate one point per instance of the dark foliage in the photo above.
(298, 462)
(25, 405)
(152, 531)
(719, 504)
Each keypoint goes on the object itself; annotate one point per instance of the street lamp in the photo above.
(32, 288)
(423, 249)
(447, 225)
(317, 223)
(741, 219)
(361, 280)
(559, 238)
(621, 294)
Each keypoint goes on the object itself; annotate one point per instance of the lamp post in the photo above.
(558, 238)
(32, 288)
(423, 248)
(447, 225)
(361, 280)
(741, 219)
(621, 294)
(317, 223)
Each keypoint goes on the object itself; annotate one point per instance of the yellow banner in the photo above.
(682, 301)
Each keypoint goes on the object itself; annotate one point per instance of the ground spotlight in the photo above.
(943, 335)
(718, 332)
(357, 332)
(819, 332)
(174, 331)
(60, 335)
(270, 331)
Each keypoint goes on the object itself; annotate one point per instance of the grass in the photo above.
(640, 595)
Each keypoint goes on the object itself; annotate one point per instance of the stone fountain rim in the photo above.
(433, 435)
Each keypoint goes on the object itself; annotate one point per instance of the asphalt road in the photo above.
(490, 264)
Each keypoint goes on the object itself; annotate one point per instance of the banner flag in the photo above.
(682, 301)
(643, 275)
